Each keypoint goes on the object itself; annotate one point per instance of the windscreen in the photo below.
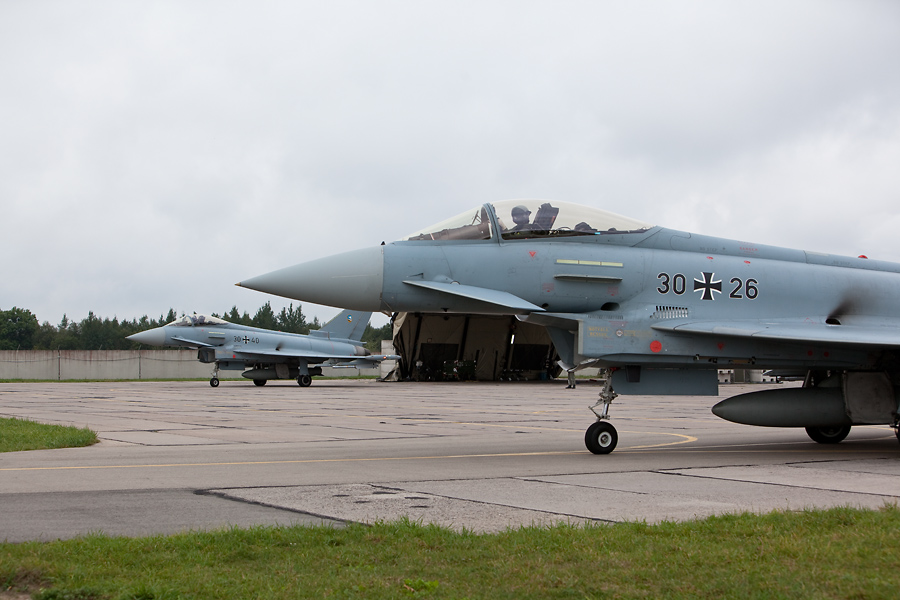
(473, 224)
(544, 218)
(196, 320)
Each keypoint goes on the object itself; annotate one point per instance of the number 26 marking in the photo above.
(744, 290)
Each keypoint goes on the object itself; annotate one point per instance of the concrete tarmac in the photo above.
(179, 456)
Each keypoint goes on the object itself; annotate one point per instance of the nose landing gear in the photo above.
(601, 437)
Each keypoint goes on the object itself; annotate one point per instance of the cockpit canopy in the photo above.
(517, 219)
(196, 320)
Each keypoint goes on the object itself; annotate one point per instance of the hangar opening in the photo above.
(436, 347)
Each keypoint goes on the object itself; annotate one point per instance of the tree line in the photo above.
(20, 329)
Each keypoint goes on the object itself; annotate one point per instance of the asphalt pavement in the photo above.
(181, 456)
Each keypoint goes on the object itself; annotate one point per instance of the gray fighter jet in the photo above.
(267, 354)
(662, 309)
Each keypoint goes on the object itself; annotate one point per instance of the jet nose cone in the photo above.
(350, 280)
(151, 337)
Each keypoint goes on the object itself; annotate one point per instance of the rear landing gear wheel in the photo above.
(214, 382)
(601, 438)
(259, 382)
(304, 380)
(828, 435)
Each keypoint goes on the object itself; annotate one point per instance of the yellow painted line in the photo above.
(503, 426)
(687, 439)
(341, 460)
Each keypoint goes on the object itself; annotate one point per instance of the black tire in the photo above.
(214, 382)
(828, 435)
(304, 380)
(260, 382)
(601, 437)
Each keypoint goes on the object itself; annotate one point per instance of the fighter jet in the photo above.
(268, 354)
(661, 309)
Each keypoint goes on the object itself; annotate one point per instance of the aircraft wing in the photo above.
(496, 297)
(565, 321)
(194, 343)
(314, 356)
(886, 335)
(366, 361)
(264, 355)
(380, 357)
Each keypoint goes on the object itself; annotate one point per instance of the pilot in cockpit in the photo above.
(521, 216)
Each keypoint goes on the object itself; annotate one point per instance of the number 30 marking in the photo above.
(676, 283)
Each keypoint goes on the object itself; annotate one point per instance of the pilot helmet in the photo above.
(520, 210)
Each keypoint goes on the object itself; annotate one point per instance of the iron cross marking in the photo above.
(708, 286)
(247, 340)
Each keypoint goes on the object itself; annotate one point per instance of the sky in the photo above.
(153, 154)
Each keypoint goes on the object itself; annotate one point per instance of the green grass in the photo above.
(837, 553)
(20, 434)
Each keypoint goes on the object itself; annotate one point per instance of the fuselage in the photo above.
(621, 296)
(664, 309)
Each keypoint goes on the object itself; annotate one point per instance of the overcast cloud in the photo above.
(152, 154)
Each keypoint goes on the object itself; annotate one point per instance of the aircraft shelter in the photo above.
(436, 347)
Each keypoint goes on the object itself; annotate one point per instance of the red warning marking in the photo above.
(532, 253)
(656, 346)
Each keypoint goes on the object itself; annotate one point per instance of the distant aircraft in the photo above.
(663, 309)
(268, 354)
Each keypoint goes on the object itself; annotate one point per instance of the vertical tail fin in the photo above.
(347, 325)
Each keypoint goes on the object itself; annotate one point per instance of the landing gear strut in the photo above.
(214, 380)
(601, 437)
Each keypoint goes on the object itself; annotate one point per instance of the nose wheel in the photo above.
(304, 380)
(601, 437)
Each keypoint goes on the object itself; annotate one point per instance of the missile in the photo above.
(270, 373)
(792, 407)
